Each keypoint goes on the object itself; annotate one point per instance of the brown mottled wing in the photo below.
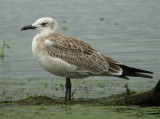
(108, 59)
(77, 53)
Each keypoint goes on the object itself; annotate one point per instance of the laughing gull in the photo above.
(72, 58)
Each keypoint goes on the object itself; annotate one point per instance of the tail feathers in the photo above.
(142, 75)
(130, 71)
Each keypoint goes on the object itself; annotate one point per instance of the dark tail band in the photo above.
(130, 71)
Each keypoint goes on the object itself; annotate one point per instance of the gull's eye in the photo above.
(43, 24)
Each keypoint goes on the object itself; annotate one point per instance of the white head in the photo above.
(43, 24)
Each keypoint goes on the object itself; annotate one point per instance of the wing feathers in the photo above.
(77, 53)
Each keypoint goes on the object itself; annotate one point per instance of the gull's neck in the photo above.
(47, 32)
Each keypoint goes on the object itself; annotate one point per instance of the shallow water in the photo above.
(16, 89)
(78, 112)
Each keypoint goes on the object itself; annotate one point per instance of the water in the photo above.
(16, 89)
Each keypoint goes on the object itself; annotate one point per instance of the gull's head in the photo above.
(46, 24)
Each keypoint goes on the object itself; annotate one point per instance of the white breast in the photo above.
(53, 65)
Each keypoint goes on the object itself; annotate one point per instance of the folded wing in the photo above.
(80, 54)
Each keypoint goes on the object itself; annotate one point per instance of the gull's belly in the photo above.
(55, 65)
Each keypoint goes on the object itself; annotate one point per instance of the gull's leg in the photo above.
(68, 89)
(66, 94)
(70, 86)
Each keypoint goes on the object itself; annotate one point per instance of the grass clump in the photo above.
(4, 45)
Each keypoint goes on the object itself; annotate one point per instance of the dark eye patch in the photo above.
(44, 23)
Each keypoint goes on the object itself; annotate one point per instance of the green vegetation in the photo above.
(77, 112)
(2, 49)
(113, 100)
(64, 28)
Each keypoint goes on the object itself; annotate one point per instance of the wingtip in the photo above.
(147, 72)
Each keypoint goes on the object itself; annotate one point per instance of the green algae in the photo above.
(77, 112)
(113, 100)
